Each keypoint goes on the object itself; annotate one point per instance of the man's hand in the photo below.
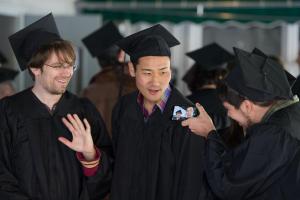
(82, 139)
(200, 125)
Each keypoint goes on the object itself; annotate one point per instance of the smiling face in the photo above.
(153, 75)
(54, 80)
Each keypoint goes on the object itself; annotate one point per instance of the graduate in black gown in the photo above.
(155, 158)
(53, 145)
(6, 77)
(296, 87)
(113, 80)
(204, 79)
(266, 165)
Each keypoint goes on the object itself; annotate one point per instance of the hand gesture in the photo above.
(82, 139)
(200, 125)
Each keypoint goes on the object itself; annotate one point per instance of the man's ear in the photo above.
(131, 69)
(247, 107)
(35, 71)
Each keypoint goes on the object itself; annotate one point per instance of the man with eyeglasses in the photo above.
(53, 145)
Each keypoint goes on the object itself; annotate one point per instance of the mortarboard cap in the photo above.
(258, 78)
(208, 58)
(154, 41)
(7, 74)
(291, 79)
(296, 87)
(30, 39)
(101, 39)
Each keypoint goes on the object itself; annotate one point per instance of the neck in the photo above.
(149, 105)
(262, 112)
(209, 86)
(45, 97)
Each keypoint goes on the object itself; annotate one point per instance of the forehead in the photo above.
(154, 62)
(228, 105)
(60, 56)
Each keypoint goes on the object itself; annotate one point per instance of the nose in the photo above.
(226, 105)
(155, 79)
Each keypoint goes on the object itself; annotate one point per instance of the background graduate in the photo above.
(205, 81)
(113, 81)
(6, 78)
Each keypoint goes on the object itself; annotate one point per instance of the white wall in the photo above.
(37, 7)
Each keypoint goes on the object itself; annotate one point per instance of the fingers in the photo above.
(74, 123)
(198, 106)
(69, 126)
(78, 122)
(66, 142)
(186, 122)
(201, 109)
(87, 125)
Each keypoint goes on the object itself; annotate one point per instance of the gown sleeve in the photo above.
(9, 186)
(252, 167)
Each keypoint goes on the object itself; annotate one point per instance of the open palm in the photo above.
(81, 132)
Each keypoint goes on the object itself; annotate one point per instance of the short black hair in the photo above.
(203, 77)
(178, 111)
(109, 57)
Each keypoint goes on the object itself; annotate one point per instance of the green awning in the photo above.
(152, 13)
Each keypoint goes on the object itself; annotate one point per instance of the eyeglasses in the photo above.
(61, 66)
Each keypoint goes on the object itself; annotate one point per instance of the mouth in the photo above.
(63, 81)
(153, 91)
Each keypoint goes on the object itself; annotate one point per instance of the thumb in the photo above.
(185, 122)
(200, 109)
(65, 142)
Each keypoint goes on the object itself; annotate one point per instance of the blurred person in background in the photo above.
(6, 78)
(113, 81)
(205, 81)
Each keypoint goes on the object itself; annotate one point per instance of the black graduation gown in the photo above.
(157, 159)
(265, 166)
(212, 104)
(296, 87)
(288, 118)
(34, 164)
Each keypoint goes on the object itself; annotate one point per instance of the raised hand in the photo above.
(82, 139)
(200, 125)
